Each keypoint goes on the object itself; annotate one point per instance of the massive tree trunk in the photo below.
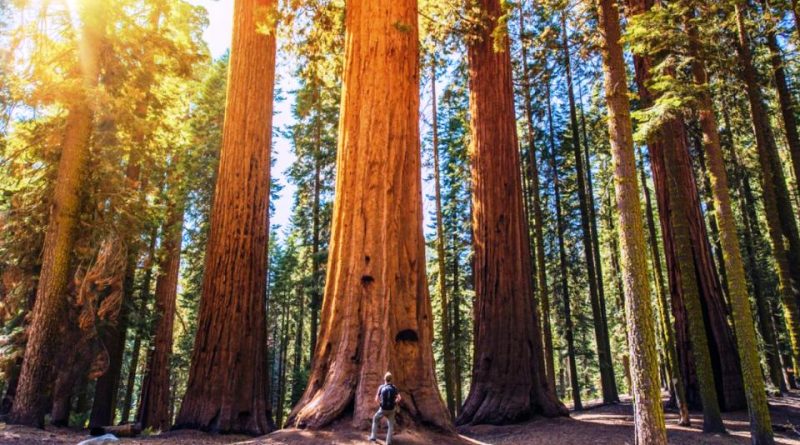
(760, 423)
(538, 216)
(228, 385)
(155, 396)
(509, 383)
(38, 369)
(376, 313)
(607, 382)
(777, 204)
(724, 359)
(649, 416)
(447, 352)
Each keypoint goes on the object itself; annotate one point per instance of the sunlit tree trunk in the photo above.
(724, 358)
(676, 371)
(38, 369)
(760, 423)
(228, 385)
(649, 417)
(376, 313)
(777, 204)
(509, 382)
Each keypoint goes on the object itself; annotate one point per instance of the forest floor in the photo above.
(606, 424)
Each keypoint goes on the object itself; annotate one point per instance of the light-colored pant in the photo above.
(389, 414)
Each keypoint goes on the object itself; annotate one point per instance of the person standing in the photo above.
(388, 398)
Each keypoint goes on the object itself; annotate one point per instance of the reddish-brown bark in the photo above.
(227, 388)
(509, 383)
(154, 402)
(376, 313)
(722, 347)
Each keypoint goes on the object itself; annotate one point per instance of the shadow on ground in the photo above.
(609, 424)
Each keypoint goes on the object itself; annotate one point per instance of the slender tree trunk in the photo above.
(760, 423)
(788, 107)
(569, 332)
(38, 369)
(507, 330)
(607, 381)
(155, 396)
(228, 386)
(449, 378)
(538, 215)
(713, 215)
(376, 313)
(649, 416)
(114, 336)
(595, 237)
(677, 372)
(297, 360)
(316, 272)
(765, 318)
(144, 297)
(456, 328)
(724, 359)
(777, 204)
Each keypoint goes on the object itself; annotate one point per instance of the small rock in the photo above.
(101, 440)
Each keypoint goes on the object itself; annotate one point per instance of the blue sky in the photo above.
(218, 38)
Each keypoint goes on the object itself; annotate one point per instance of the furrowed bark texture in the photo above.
(376, 312)
(722, 347)
(228, 386)
(760, 423)
(38, 369)
(649, 416)
(155, 399)
(509, 383)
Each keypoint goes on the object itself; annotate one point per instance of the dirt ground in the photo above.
(611, 424)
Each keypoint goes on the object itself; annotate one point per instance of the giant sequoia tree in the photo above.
(49, 311)
(509, 383)
(376, 314)
(228, 386)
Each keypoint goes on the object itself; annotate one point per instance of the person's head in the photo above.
(388, 377)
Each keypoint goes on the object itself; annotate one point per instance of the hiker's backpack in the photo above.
(388, 396)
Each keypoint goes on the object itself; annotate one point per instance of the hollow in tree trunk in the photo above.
(376, 313)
